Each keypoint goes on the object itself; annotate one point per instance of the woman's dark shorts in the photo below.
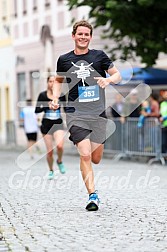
(50, 126)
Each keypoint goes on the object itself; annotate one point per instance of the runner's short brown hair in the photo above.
(82, 23)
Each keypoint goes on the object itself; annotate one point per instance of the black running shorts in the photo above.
(95, 130)
(32, 136)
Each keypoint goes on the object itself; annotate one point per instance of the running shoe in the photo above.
(93, 202)
(61, 167)
(51, 175)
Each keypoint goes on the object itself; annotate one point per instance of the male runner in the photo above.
(85, 71)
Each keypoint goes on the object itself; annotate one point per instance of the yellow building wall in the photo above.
(6, 106)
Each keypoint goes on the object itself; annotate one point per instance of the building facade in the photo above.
(41, 31)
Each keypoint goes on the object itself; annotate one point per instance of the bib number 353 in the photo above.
(88, 94)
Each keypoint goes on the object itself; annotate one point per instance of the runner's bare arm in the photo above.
(114, 78)
(56, 92)
(57, 88)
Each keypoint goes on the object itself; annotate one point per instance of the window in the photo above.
(16, 32)
(35, 5)
(24, 7)
(34, 84)
(47, 3)
(21, 83)
(60, 1)
(7, 101)
(21, 80)
(25, 29)
(15, 8)
(35, 27)
(4, 10)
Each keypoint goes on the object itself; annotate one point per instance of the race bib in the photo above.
(52, 115)
(88, 93)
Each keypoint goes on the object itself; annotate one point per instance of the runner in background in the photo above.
(52, 127)
(30, 122)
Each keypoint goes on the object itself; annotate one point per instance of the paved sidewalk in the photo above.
(38, 215)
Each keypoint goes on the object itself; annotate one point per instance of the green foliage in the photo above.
(138, 26)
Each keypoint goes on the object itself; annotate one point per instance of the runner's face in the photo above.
(51, 82)
(82, 37)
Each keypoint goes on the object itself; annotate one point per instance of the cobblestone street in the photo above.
(39, 215)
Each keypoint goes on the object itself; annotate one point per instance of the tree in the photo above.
(136, 26)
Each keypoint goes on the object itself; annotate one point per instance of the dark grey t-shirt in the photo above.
(85, 98)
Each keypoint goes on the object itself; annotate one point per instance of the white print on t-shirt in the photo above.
(83, 72)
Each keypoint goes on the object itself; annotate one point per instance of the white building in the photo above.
(42, 31)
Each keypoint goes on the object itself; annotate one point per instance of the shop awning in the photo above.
(150, 76)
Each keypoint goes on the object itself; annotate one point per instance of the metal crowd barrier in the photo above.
(129, 140)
